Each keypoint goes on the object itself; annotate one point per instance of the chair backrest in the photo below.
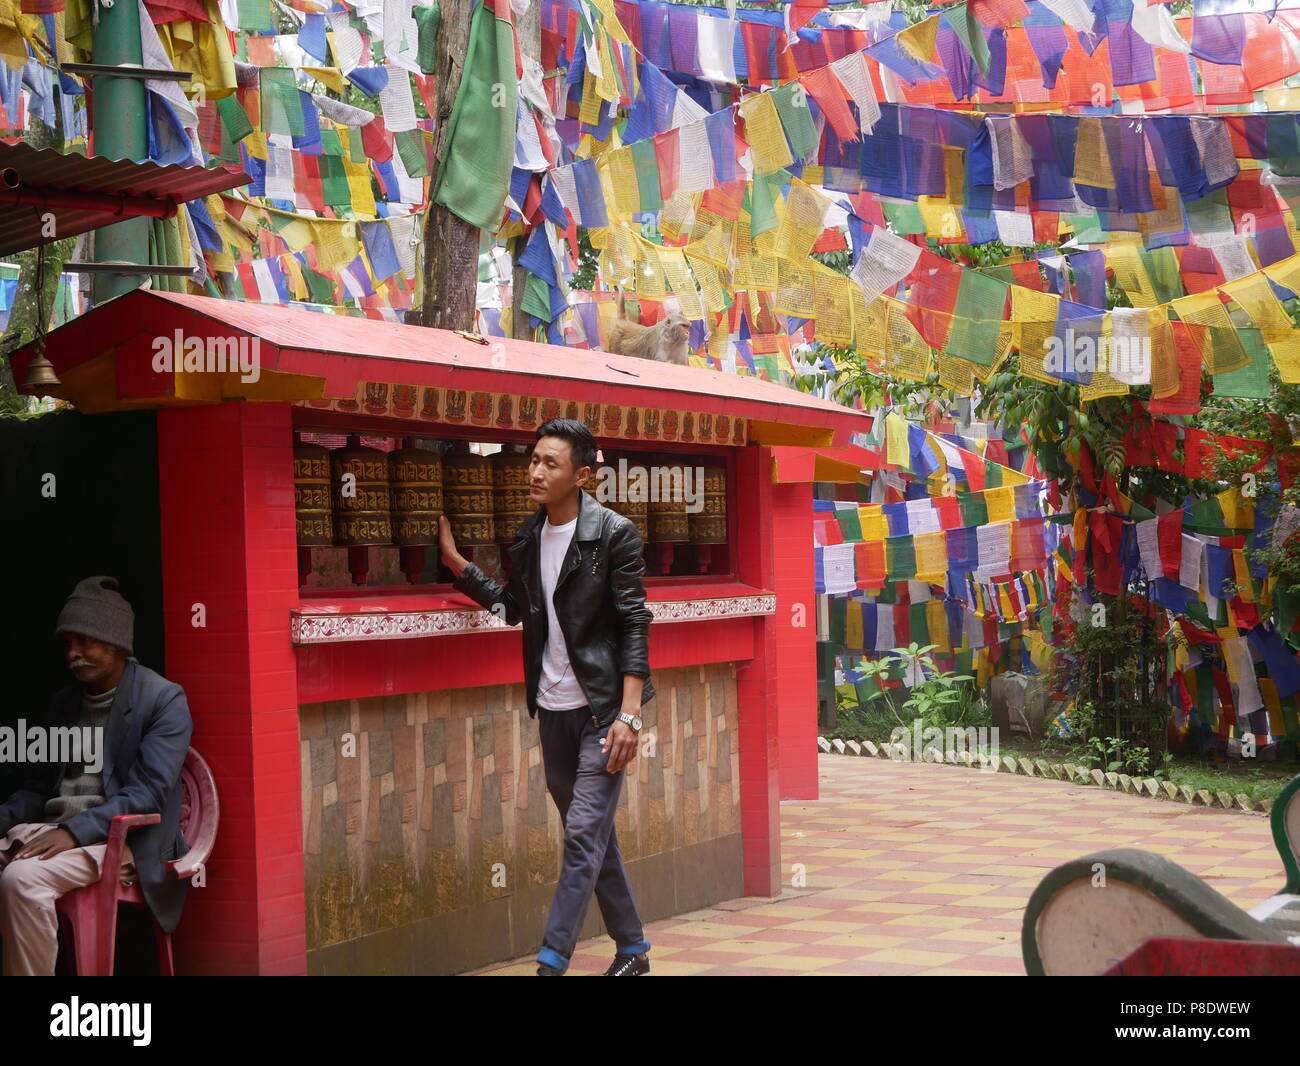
(1286, 832)
(200, 813)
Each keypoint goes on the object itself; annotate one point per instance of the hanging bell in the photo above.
(41, 375)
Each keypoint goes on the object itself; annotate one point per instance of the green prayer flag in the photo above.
(969, 31)
(234, 119)
(918, 626)
(255, 17)
(900, 558)
(974, 511)
(849, 523)
(1249, 382)
(837, 618)
(474, 176)
(647, 174)
(411, 147)
(792, 107)
(977, 318)
(427, 20)
(281, 104)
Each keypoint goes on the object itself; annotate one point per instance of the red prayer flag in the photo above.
(667, 160)
(825, 88)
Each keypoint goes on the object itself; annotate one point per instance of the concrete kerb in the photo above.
(1071, 773)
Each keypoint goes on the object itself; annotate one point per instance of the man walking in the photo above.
(576, 585)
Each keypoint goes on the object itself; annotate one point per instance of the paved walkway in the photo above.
(923, 869)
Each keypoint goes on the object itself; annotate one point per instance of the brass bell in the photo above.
(40, 374)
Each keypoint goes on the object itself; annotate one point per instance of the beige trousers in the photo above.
(28, 891)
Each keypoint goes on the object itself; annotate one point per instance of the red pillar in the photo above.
(795, 644)
(228, 535)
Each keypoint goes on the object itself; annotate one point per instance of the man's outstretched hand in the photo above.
(48, 844)
(447, 543)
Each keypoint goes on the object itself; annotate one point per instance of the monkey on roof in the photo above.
(664, 341)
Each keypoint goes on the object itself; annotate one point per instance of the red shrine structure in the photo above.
(383, 803)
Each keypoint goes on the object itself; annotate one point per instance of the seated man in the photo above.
(53, 830)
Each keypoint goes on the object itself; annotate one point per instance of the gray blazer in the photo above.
(145, 743)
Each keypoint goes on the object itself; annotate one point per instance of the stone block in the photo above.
(1169, 789)
(854, 747)
(1112, 780)
(823, 745)
(1008, 764)
(1098, 778)
(1225, 800)
(1152, 786)
(1187, 793)
(869, 748)
(1026, 767)
(837, 744)
(1244, 802)
(1126, 784)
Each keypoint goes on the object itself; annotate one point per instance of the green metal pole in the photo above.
(120, 132)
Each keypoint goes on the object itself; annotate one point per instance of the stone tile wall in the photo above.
(432, 845)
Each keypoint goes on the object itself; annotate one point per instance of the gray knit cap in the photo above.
(96, 609)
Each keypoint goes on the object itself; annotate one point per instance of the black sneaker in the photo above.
(548, 971)
(628, 966)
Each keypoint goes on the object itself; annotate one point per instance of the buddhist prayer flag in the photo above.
(480, 151)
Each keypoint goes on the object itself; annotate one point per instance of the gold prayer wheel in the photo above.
(415, 479)
(313, 506)
(709, 525)
(362, 504)
(467, 496)
(666, 508)
(512, 504)
(629, 479)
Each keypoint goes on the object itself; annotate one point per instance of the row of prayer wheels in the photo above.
(359, 497)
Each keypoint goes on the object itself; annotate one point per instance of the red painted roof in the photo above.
(345, 351)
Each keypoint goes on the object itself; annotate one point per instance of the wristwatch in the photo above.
(632, 720)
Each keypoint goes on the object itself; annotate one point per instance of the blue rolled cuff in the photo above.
(638, 948)
(551, 957)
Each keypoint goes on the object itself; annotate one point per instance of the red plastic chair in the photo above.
(90, 913)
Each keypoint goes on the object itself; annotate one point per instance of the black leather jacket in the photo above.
(599, 601)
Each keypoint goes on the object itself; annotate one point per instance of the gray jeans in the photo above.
(586, 795)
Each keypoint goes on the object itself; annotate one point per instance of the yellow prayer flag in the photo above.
(765, 134)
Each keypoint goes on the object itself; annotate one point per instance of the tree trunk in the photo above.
(449, 264)
(529, 29)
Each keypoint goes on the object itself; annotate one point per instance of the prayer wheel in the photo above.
(630, 482)
(313, 507)
(311, 496)
(415, 479)
(709, 525)
(666, 508)
(363, 507)
(467, 497)
(512, 504)
(362, 503)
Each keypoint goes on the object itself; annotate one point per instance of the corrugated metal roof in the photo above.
(46, 169)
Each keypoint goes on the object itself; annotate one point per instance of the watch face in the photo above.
(636, 722)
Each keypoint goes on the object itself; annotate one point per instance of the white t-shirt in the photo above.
(558, 688)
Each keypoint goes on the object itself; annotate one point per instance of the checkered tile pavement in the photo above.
(912, 868)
